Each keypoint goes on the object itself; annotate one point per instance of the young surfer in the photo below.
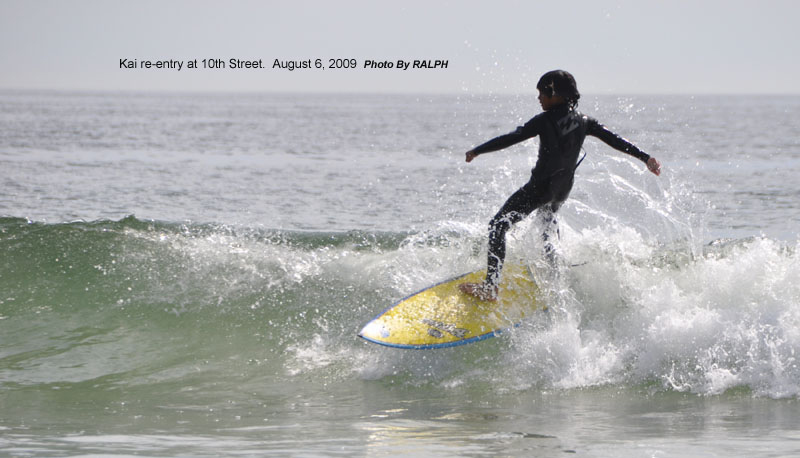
(561, 130)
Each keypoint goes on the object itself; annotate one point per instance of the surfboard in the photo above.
(442, 316)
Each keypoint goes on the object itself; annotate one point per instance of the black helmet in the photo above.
(560, 82)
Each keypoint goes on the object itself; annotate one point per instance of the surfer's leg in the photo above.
(560, 186)
(498, 227)
(517, 207)
(550, 233)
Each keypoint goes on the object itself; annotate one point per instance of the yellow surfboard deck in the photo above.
(442, 316)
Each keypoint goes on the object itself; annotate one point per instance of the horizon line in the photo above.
(375, 92)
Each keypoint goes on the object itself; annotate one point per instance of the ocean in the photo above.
(185, 275)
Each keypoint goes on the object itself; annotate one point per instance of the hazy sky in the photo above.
(616, 46)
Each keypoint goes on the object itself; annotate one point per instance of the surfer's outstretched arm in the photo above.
(522, 133)
(620, 144)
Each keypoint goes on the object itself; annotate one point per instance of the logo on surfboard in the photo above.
(437, 328)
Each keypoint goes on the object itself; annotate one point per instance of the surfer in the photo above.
(561, 130)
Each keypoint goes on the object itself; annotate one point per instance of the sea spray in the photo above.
(727, 319)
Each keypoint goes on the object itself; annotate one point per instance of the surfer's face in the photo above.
(549, 101)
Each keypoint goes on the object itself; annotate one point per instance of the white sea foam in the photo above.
(726, 319)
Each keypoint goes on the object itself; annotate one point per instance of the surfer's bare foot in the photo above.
(481, 291)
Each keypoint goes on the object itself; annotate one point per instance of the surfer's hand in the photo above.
(471, 156)
(653, 165)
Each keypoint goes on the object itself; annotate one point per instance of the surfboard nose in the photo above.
(374, 330)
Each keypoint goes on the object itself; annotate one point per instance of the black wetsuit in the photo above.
(561, 132)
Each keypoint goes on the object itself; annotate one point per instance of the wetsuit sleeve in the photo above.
(529, 130)
(615, 141)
